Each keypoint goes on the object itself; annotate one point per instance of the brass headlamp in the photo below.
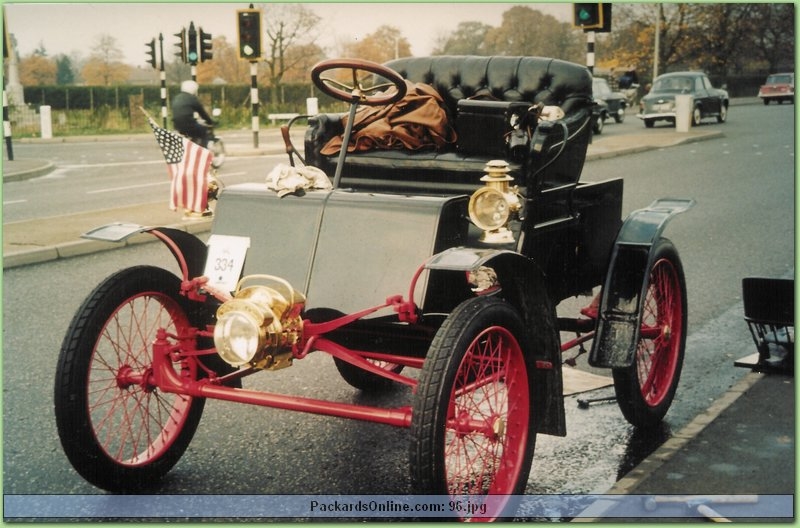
(260, 325)
(492, 206)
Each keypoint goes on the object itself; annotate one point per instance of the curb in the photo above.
(623, 151)
(628, 484)
(41, 168)
(81, 247)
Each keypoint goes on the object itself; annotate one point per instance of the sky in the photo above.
(64, 28)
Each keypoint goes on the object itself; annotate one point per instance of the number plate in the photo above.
(225, 260)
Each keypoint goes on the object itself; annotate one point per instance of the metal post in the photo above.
(163, 75)
(590, 51)
(254, 100)
(7, 127)
(659, 13)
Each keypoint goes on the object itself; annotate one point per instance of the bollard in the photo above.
(312, 106)
(46, 120)
(683, 112)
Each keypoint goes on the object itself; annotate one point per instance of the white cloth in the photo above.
(284, 179)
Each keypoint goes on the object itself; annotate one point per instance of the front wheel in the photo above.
(597, 128)
(645, 389)
(119, 431)
(723, 114)
(473, 427)
(217, 148)
(697, 116)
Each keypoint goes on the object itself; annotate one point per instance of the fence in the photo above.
(78, 110)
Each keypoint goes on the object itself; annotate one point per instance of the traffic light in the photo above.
(205, 46)
(249, 27)
(588, 16)
(191, 48)
(181, 44)
(592, 17)
(151, 52)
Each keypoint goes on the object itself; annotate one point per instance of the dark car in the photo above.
(616, 102)
(707, 101)
(778, 87)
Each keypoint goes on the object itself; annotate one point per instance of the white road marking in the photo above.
(127, 187)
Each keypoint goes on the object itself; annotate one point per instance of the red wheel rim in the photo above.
(488, 417)
(662, 329)
(132, 420)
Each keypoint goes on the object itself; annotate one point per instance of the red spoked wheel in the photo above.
(645, 390)
(472, 425)
(119, 431)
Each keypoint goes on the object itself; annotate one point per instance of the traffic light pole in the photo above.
(163, 75)
(590, 51)
(254, 100)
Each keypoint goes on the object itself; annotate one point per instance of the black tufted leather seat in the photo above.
(514, 79)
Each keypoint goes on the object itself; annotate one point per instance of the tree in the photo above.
(37, 70)
(773, 35)
(382, 45)
(225, 65)
(64, 71)
(104, 66)
(469, 38)
(287, 25)
(718, 38)
(526, 31)
(717, 31)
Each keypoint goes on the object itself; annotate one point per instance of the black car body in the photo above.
(707, 101)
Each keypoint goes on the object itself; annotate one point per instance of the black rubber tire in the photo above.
(356, 377)
(366, 381)
(665, 282)
(95, 349)
(697, 116)
(217, 148)
(452, 364)
(723, 114)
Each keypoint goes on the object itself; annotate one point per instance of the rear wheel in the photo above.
(119, 431)
(645, 389)
(472, 426)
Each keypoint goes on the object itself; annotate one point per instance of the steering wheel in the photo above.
(357, 92)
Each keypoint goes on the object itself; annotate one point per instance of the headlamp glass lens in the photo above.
(489, 209)
(236, 337)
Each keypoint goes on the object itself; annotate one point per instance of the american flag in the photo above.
(188, 165)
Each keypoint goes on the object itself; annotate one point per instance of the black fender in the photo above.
(626, 282)
(523, 285)
(189, 251)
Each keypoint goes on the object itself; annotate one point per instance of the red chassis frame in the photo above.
(169, 349)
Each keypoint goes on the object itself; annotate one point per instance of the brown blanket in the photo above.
(417, 121)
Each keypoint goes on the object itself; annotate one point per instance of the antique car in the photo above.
(707, 101)
(616, 102)
(440, 269)
(778, 87)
